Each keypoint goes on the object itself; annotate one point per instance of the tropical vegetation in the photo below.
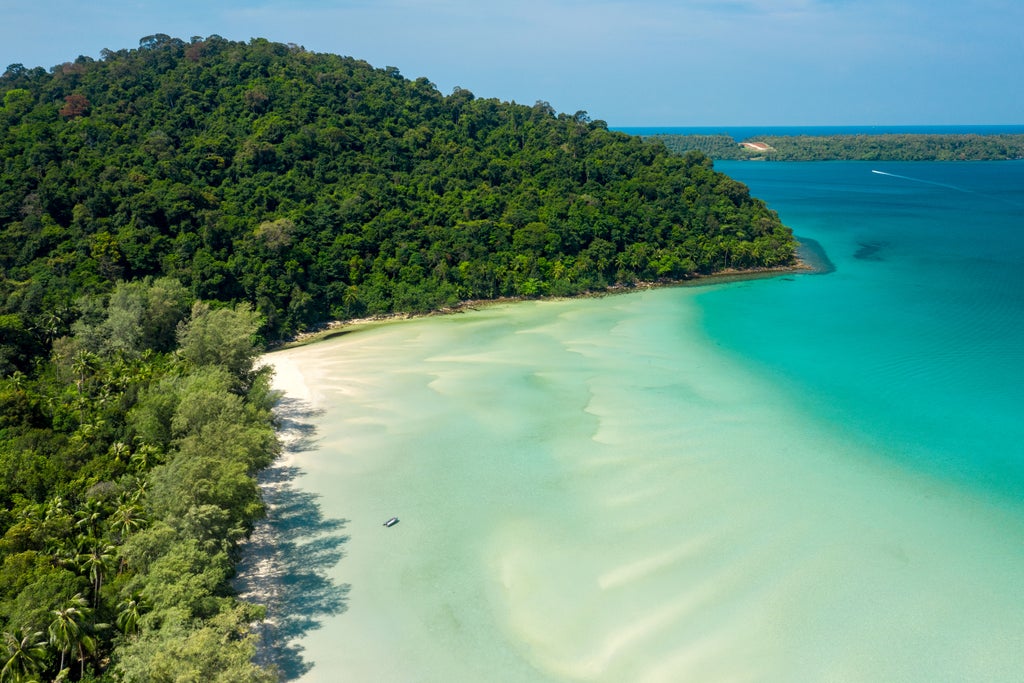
(166, 210)
(861, 147)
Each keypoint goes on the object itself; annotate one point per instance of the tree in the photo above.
(96, 562)
(86, 646)
(69, 626)
(25, 655)
(90, 517)
(221, 650)
(128, 614)
(75, 105)
(84, 365)
(127, 518)
(224, 337)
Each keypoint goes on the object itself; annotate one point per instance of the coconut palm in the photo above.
(96, 562)
(127, 518)
(18, 380)
(56, 508)
(86, 646)
(69, 626)
(24, 655)
(84, 365)
(144, 457)
(129, 612)
(90, 517)
(120, 451)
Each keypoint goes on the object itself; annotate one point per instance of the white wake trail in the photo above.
(921, 180)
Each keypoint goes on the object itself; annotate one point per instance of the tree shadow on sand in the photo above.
(286, 560)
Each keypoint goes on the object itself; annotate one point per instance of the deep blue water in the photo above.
(915, 344)
(745, 132)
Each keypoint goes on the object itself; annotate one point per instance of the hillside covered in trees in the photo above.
(860, 147)
(315, 186)
(127, 479)
(165, 209)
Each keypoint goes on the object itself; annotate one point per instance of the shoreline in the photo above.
(714, 520)
(810, 259)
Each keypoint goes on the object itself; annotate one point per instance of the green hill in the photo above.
(316, 186)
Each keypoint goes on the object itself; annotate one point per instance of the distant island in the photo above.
(165, 210)
(860, 147)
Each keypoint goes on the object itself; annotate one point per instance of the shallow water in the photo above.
(812, 477)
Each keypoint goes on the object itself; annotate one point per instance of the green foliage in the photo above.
(861, 147)
(312, 186)
(138, 315)
(69, 630)
(223, 337)
(24, 655)
(130, 482)
(165, 209)
(220, 652)
(715, 146)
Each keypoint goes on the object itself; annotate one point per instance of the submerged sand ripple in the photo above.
(589, 492)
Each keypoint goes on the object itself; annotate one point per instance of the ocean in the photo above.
(809, 477)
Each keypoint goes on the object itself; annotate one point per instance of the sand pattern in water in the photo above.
(808, 478)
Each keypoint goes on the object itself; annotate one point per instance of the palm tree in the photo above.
(127, 518)
(50, 325)
(69, 626)
(350, 298)
(129, 612)
(96, 562)
(84, 365)
(144, 457)
(90, 516)
(85, 645)
(120, 451)
(55, 508)
(19, 380)
(25, 655)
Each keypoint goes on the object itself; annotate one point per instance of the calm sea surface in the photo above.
(805, 478)
(917, 340)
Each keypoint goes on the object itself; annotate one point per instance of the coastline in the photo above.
(810, 259)
(719, 569)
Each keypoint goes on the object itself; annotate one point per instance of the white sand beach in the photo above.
(588, 491)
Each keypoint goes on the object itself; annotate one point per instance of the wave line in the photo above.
(920, 180)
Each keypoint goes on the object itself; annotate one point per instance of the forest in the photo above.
(166, 211)
(862, 147)
(315, 186)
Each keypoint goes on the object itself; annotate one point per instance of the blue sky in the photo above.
(631, 63)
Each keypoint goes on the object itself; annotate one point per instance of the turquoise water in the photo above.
(803, 478)
(916, 342)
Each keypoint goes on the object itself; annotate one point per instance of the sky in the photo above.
(630, 63)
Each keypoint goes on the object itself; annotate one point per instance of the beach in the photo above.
(807, 477)
(576, 504)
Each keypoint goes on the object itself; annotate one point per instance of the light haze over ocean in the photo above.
(810, 477)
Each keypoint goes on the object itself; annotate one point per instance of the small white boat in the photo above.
(391, 522)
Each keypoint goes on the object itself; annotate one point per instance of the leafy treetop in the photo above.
(313, 186)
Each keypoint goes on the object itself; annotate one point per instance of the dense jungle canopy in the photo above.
(853, 147)
(316, 186)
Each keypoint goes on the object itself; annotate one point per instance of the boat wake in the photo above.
(947, 186)
(921, 180)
